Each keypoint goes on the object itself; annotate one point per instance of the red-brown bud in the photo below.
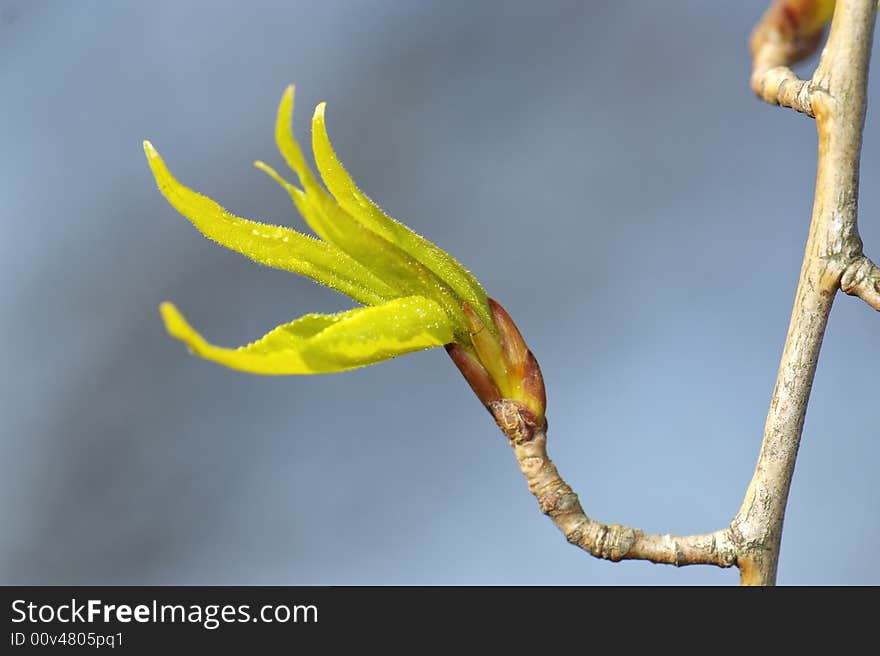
(503, 373)
(474, 373)
(792, 29)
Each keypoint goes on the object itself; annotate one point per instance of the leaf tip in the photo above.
(320, 111)
(288, 95)
(284, 117)
(157, 164)
(175, 324)
(268, 170)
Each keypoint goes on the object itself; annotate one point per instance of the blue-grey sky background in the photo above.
(602, 167)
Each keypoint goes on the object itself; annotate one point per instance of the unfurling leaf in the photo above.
(322, 343)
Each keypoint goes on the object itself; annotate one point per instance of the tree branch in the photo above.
(833, 259)
(838, 99)
(612, 542)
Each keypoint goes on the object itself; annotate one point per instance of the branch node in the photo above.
(862, 278)
(781, 86)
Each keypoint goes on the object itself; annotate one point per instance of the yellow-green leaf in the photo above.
(395, 266)
(287, 143)
(316, 343)
(274, 246)
(293, 156)
(330, 221)
(359, 205)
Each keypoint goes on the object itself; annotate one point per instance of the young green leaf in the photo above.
(396, 267)
(358, 204)
(274, 246)
(319, 344)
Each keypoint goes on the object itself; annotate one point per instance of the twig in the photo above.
(784, 36)
(613, 542)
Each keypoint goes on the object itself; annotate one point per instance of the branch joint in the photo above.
(781, 86)
(862, 278)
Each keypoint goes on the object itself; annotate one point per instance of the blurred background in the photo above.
(602, 167)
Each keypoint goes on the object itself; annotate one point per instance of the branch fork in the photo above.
(862, 278)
